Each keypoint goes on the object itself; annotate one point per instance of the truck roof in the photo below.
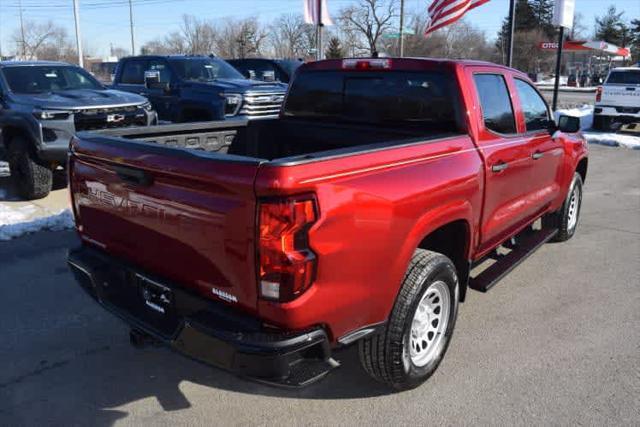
(337, 63)
(175, 56)
(32, 63)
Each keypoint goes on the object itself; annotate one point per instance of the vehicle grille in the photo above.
(262, 104)
(102, 118)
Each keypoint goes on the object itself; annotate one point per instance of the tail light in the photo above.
(599, 94)
(287, 266)
(367, 64)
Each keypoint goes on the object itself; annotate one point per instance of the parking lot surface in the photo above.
(556, 342)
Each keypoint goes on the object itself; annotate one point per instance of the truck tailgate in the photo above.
(185, 216)
(621, 96)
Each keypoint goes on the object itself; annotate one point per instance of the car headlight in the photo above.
(147, 106)
(51, 114)
(232, 103)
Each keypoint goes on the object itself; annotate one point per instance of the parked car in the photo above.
(362, 215)
(43, 104)
(618, 99)
(280, 70)
(198, 88)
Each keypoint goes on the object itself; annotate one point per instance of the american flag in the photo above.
(311, 12)
(445, 12)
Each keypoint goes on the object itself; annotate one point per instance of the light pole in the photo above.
(133, 45)
(76, 16)
(401, 28)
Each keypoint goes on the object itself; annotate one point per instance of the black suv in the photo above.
(43, 104)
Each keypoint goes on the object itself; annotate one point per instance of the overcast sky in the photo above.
(106, 22)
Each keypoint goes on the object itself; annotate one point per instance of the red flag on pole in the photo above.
(311, 12)
(445, 12)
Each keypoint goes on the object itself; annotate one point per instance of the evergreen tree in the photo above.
(543, 12)
(334, 50)
(612, 28)
(525, 21)
(634, 39)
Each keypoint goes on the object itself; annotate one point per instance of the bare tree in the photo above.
(199, 35)
(288, 36)
(44, 40)
(367, 21)
(240, 39)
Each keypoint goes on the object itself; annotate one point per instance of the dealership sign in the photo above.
(598, 46)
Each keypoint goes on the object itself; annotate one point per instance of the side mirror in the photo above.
(568, 124)
(152, 80)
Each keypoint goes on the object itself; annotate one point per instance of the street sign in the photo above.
(563, 13)
(407, 32)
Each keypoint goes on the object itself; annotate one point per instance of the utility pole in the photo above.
(24, 46)
(556, 82)
(401, 28)
(318, 32)
(133, 44)
(512, 24)
(76, 16)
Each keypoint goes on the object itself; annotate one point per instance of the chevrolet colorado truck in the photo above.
(385, 190)
(618, 99)
(42, 105)
(190, 88)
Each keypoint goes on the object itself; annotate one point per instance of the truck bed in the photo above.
(280, 141)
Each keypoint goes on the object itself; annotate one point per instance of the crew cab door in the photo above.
(507, 157)
(546, 152)
(163, 101)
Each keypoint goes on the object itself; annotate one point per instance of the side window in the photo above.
(162, 67)
(497, 111)
(536, 114)
(133, 72)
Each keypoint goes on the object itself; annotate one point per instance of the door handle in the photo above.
(537, 155)
(499, 167)
(133, 176)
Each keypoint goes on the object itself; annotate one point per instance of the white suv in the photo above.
(618, 99)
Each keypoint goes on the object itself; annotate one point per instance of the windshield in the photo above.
(628, 77)
(204, 69)
(42, 79)
(424, 100)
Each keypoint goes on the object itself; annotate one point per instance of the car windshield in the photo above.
(44, 79)
(204, 69)
(627, 77)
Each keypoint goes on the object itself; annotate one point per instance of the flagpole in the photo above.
(512, 21)
(319, 32)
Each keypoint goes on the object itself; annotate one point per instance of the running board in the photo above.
(527, 244)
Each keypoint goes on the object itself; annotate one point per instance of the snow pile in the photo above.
(13, 224)
(584, 113)
(613, 139)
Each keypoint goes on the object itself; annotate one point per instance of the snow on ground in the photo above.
(612, 139)
(12, 222)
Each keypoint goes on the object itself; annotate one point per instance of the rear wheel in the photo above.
(417, 335)
(566, 219)
(32, 176)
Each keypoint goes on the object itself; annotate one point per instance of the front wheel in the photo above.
(33, 177)
(566, 219)
(418, 332)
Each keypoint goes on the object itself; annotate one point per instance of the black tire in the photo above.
(602, 123)
(33, 177)
(561, 219)
(382, 355)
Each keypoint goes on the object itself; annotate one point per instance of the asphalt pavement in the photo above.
(556, 342)
(569, 99)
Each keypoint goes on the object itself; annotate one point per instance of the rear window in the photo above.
(424, 100)
(628, 77)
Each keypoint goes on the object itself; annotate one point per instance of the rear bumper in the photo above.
(204, 330)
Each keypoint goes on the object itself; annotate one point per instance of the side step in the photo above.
(527, 243)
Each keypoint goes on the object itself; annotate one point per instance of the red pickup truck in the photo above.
(386, 188)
